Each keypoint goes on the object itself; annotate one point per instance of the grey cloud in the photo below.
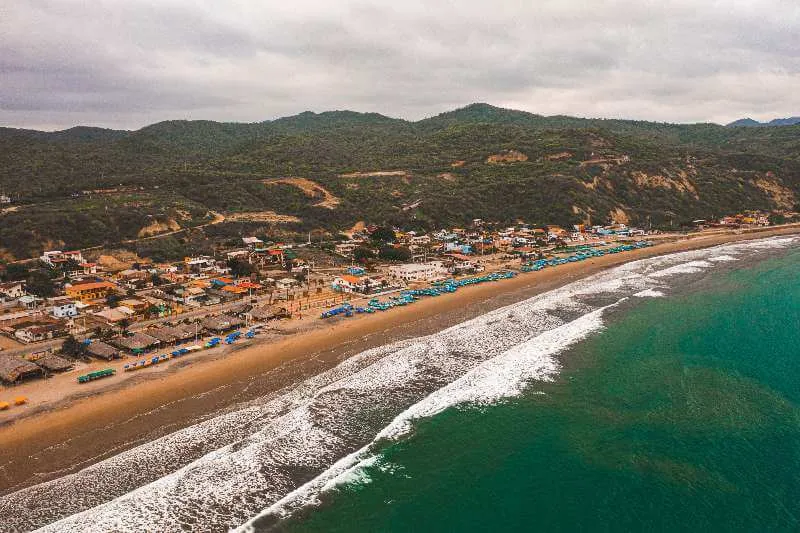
(129, 63)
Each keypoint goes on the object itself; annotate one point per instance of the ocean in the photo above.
(662, 394)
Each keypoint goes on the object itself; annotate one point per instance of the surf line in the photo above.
(479, 386)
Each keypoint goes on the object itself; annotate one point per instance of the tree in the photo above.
(70, 265)
(362, 254)
(239, 268)
(112, 300)
(15, 271)
(40, 284)
(383, 234)
(124, 324)
(72, 347)
(391, 253)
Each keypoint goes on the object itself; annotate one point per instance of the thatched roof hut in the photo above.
(102, 350)
(14, 369)
(54, 363)
(170, 335)
(138, 342)
(222, 323)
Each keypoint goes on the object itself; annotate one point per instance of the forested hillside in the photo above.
(324, 172)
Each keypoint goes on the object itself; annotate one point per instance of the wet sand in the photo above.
(80, 431)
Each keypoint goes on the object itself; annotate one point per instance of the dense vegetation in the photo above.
(87, 186)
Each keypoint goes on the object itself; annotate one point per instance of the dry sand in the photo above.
(73, 433)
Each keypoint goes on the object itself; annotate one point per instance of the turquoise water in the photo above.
(682, 415)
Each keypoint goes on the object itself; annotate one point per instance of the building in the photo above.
(222, 323)
(39, 332)
(12, 290)
(53, 363)
(199, 265)
(64, 308)
(56, 258)
(30, 301)
(137, 343)
(346, 248)
(363, 284)
(15, 369)
(5, 199)
(115, 315)
(462, 264)
(253, 242)
(101, 350)
(418, 272)
(175, 335)
(86, 292)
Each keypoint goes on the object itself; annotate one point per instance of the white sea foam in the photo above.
(223, 471)
(690, 267)
(722, 258)
(496, 379)
(649, 293)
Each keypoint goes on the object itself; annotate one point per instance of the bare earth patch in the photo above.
(507, 156)
(376, 174)
(157, 228)
(560, 156)
(312, 189)
(782, 196)
(120, 260)
(262, 216)
(606, 162)
(619, 216)
(679, 182)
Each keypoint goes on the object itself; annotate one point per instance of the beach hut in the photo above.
(54, 363)
(222, 323)
(102, 350)
(137, 343)
(14, 369)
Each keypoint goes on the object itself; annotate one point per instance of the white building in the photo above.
(253, 242)
(361, 284)
(346, 248)
(414, 272)
(65, 309)
(56, 257)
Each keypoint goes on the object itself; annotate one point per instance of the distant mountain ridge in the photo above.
(87, 186)
(750, 123)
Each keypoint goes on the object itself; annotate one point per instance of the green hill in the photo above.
(91, 186)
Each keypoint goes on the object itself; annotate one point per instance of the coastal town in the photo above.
(69, 312)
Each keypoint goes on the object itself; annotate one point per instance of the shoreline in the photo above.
(58, 439)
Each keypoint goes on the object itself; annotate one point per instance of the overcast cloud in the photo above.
(128, 63)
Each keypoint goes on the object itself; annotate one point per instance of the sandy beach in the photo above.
(66, 428)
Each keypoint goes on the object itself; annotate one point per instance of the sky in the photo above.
(128, 63)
